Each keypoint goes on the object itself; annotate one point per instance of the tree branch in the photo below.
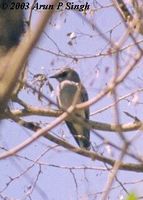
(31, 110)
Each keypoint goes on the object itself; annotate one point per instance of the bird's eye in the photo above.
(64, 74)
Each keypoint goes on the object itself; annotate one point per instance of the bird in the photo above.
(69, 83)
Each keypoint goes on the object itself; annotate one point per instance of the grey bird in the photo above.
(69, 83)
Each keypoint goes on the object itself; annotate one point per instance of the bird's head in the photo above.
(66, 74)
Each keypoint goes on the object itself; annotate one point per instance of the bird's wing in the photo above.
(84, 97)
(80, 133)
(73, 131)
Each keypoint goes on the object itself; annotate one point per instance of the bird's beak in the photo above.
(54, 76)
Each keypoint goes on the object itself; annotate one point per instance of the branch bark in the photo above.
(31, 110)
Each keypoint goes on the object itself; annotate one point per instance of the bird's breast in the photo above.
(66, 93)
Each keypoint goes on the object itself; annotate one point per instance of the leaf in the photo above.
(132, 196)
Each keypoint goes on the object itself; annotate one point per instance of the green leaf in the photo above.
(132, 196)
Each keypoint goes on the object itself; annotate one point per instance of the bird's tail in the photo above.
(83, 142)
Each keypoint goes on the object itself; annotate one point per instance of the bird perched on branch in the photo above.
(70, 89)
